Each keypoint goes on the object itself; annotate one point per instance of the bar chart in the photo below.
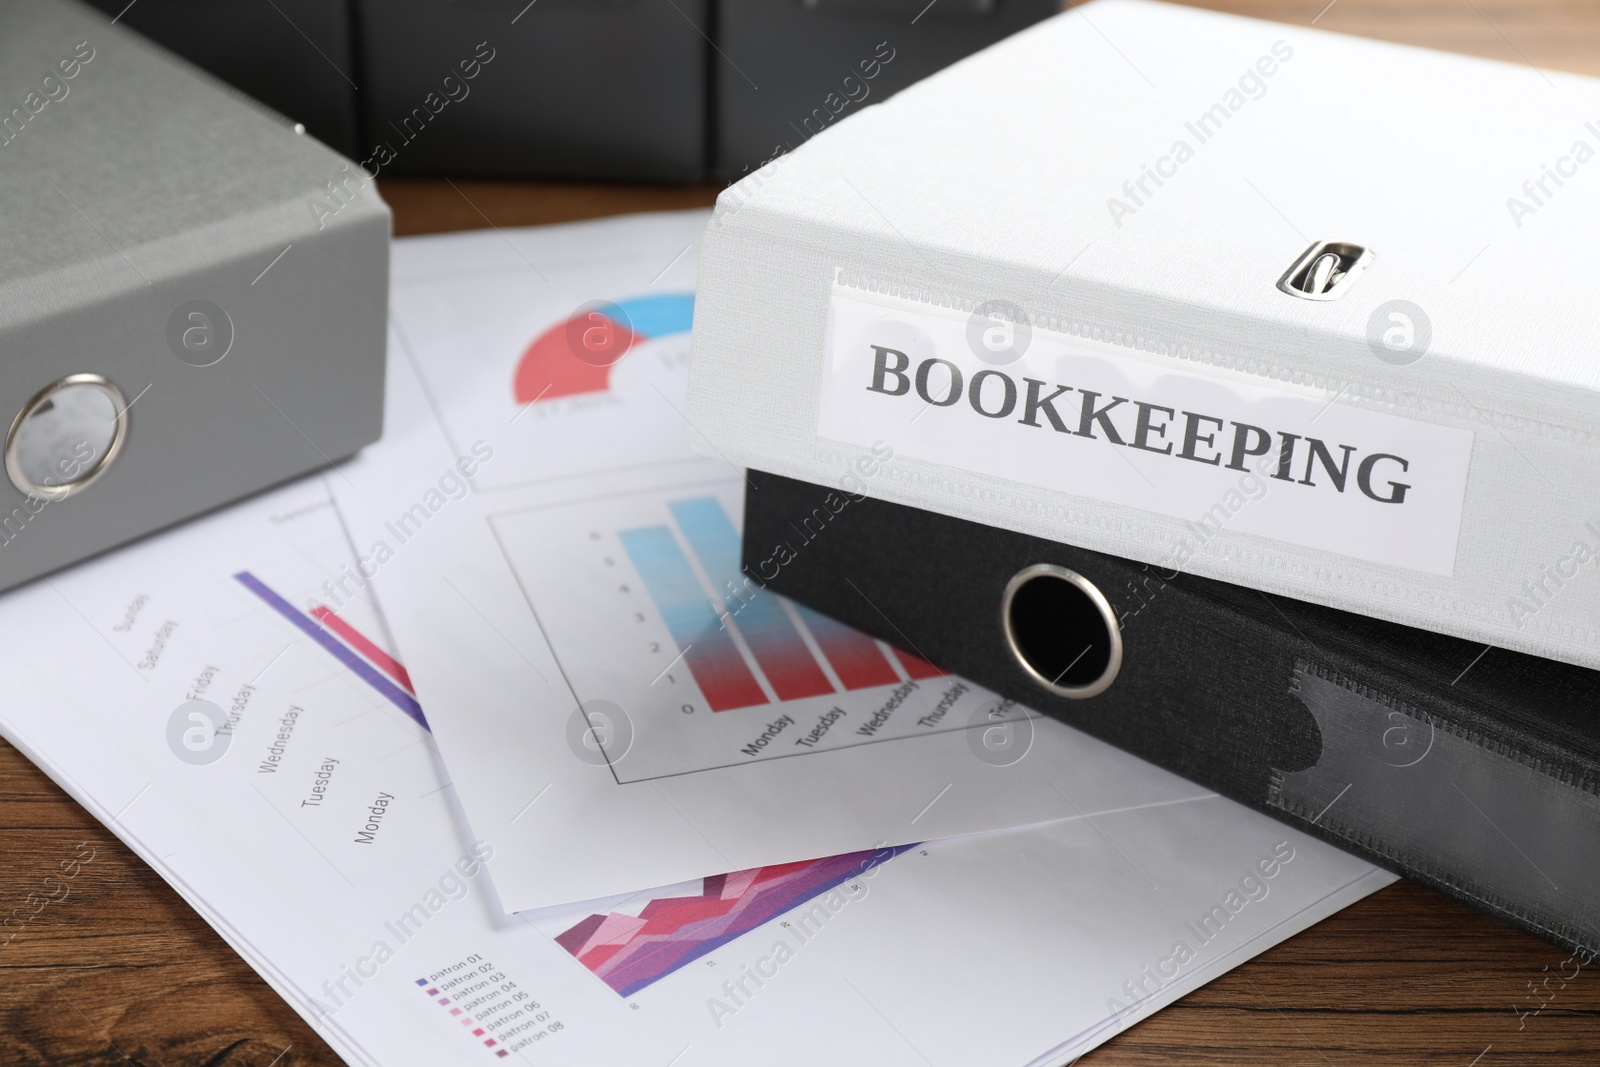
(775, 637)
(644, 603)
(776, 644)
(856, 658)
(706, 645)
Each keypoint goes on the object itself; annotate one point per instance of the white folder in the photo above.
(1307, 313)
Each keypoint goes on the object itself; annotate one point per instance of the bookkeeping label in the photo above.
(1046, 409)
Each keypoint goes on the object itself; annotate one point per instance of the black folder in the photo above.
(788, 69)
(566, 89)
(295, 56)
(1472, 769)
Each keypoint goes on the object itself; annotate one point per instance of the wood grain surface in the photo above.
(120, 971)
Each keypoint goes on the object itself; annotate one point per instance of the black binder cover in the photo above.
(610, 90)
(1474, 770)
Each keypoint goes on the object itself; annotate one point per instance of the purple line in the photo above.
(364, 670)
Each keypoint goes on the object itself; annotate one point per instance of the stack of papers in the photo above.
(480, 747)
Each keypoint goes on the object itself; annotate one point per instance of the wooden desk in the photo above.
(123, 973)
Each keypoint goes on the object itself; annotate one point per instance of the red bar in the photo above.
(790, 668)
(708, 649)
(779, 649)
(720, 672)
(917, 667)
(353, 637)
(856, 658)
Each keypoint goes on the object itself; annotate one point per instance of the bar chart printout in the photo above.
(643, 599)
(630, 949)
(707, 646)
(776, 639)
(767, 629)
(856, 658)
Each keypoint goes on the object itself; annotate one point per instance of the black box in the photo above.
(294, 56)
(789, 68)
(579, 89)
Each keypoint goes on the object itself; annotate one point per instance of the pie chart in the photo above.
(575, 356)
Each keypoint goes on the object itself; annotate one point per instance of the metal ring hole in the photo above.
(1062, 631)
(66, 436)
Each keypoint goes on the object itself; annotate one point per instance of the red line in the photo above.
(380, 659)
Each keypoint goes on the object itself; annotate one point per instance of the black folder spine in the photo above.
(1474, 770)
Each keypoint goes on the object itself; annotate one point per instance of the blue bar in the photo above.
(707, 648)
(778, 647)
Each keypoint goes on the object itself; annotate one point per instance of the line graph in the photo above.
(641, 941)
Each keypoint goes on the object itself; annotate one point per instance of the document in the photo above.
(257, 740)
(620, 705)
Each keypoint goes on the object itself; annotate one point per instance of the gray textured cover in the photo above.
(130, 188)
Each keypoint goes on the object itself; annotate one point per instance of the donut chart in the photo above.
(575, 356)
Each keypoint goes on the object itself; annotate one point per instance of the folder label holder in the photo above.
(1128, 424)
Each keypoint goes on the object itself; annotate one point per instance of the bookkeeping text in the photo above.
(1139, 424)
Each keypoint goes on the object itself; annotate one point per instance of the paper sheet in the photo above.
(315, 829)
(619, 705)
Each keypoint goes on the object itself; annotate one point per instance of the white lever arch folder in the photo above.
(1303, 312)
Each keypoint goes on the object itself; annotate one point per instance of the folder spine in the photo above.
(1476, 771)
